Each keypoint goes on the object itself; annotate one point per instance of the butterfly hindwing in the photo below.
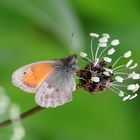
(56, 89)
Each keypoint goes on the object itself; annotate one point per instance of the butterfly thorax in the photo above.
(69, 63)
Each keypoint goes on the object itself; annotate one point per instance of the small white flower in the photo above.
(135, 65)
(107, 59)
(106, 35)
(133, 87)
(103, 40)
(14, 112)
(109, 70)
(111, 51)
(19, 133)
(106, 73)
(115, 42)
(119, 79)
(126, 97)
(136, 88)
(102, 45)
(134, 96)
(95, 79)
(94, 35)
(127, 54)
(134, 75)
(121, 93)
(4, 101)
(82, 54)
(129, 63)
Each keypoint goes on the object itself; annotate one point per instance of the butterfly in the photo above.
(52, 81)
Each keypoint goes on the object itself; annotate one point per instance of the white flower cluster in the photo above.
(119, 73)
(4, 101)
(18, 129)
(5, 106)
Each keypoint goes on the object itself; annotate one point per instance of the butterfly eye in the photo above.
(24, 73)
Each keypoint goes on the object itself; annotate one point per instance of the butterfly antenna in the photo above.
(71, 43)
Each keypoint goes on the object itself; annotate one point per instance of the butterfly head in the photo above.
(71, 62)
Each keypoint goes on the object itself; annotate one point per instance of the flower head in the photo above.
(107, 59)
(104, 44)
(129, 63)
(126, 97)
(18, 129)
(95, 79)
(103, 73)
(14, 111)
(106, 35)
(115, 42)
(119, 79)
(133, 67)
(4, 101)
(94, 35)
(103, 39)
(18, 133)
(134, 96)
(111, 51)
(127, 54)
(134, 75)
(121, 93)
(133, 87)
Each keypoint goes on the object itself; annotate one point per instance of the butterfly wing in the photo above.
(56, 89)
(29, 77)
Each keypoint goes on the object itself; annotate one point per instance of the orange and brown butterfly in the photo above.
(52, 81)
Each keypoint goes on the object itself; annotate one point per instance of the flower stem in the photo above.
(117, 61)
(104, 51)
(96, 54)
(22, 116)
(91, 47)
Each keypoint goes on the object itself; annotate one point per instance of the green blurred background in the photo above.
(34, 30)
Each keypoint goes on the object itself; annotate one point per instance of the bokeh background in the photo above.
(37, 30)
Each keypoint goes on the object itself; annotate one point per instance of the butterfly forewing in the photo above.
(29, 77)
